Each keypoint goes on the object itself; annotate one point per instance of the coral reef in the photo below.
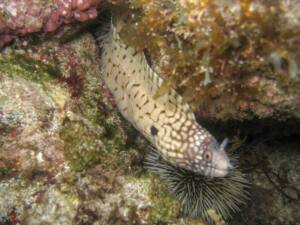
(67, 157)
(28, 16)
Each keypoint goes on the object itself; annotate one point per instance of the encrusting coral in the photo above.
(20, 17)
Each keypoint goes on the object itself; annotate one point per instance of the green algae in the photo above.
(165, 208)
(28, 68)
(4, 172)
(89, 138)
(17, 65)
(87, 143)
(81, 149)
(94, 132)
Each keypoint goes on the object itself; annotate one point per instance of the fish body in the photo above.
(166, 121)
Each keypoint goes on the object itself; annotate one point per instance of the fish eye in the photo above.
(207, 156)
(153, 130)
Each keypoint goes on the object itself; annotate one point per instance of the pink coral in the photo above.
(20, 17)
(4, 39)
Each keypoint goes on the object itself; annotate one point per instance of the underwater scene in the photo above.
(150, 112)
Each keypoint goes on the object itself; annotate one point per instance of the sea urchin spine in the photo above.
(198, 193)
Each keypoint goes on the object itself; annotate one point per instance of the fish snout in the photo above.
(221, 164)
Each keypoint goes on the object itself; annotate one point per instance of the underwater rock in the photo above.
(29, 121)
(232, 60)
(275, 179)
(67, 157)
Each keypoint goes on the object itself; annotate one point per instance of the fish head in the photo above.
(195, 149)
(210, 159)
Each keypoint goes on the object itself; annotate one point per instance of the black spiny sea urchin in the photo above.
(198, 193)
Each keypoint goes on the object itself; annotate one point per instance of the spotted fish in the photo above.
(166, 121)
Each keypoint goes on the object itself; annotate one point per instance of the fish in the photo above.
(165, 120)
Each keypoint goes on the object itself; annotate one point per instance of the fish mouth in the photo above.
(217, 172)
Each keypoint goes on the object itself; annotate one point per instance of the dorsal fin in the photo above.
(164, 90)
